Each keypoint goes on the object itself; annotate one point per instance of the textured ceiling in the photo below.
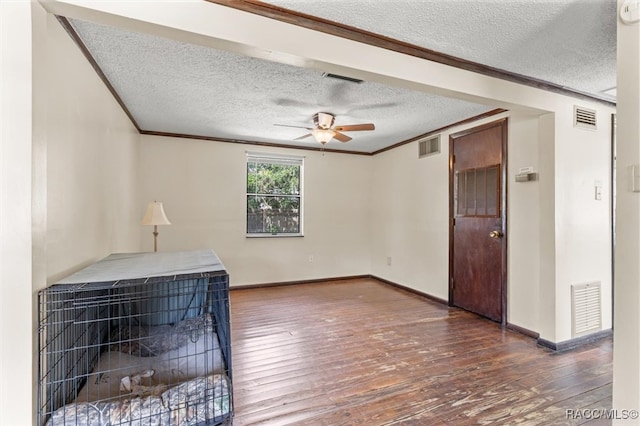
(173, 87)
(568, 42)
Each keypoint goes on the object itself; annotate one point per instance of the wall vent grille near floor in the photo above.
(586, 308)
(427, 147)
(584, 118)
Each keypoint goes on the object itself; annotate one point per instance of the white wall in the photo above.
(411, 224)
(15, 214)
(582, 223)
(558, 234)
(626, 349)
(523, 222)
(410, 218)
(202, 185)
(68, 158)
(547, 228)
(90, 151)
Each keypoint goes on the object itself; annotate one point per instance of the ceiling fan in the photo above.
(324, 130)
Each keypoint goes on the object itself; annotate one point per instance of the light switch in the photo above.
(597, 184)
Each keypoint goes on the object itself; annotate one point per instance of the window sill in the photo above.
(273, 235)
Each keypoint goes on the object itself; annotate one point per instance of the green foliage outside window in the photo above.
(273, 198)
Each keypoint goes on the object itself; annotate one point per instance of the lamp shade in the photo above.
(323, 135)
(155, 215)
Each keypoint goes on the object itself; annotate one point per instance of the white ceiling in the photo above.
(177, 88)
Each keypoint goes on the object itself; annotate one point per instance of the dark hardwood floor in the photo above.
(361, 352)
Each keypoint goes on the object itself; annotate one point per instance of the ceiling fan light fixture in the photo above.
(324, 131)
(323, 135)
(323, 120)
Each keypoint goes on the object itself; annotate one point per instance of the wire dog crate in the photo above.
(137, 339)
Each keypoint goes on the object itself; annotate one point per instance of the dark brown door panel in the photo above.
(477, 209)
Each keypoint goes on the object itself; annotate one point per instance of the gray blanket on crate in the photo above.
(190, 403)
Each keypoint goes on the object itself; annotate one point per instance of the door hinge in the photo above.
(453, 221)
(453, 159)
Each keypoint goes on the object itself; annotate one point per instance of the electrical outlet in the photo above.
(311, 258)
(389, 260)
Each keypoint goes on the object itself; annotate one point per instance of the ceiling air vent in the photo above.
(584, 118)
(341, 77)
(427, 147)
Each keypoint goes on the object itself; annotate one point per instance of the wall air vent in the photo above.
(584, 118)
(341, 77)
(586, 308)
(430, 146)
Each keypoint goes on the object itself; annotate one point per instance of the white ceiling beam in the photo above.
(220, 27)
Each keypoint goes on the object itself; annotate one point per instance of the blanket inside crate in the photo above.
(159, 375)
(193, 402)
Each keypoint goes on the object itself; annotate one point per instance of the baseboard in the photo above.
(347, 278)
(285, 283)
(577, 342)
(523, 331)
(411, 290)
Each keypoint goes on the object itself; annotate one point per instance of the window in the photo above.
(476, 192)
(274, 195)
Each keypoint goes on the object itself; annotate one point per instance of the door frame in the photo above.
(503, 209)
(612, 199)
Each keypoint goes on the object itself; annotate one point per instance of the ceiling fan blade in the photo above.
(354, 127)
(341, 137)
(297, 127)
(302, 137)
(293, 103)
(371, 106)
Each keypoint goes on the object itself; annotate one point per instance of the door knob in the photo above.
(495, 234)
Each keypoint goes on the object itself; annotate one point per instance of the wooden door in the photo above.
(477, 206)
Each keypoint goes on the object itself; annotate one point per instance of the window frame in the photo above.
(282, 159)
(460, 195)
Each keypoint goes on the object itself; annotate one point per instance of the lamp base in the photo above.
(155, 238)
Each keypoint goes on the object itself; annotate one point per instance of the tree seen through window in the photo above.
(273, 196)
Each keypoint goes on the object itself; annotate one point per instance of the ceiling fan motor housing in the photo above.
(323, 120)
